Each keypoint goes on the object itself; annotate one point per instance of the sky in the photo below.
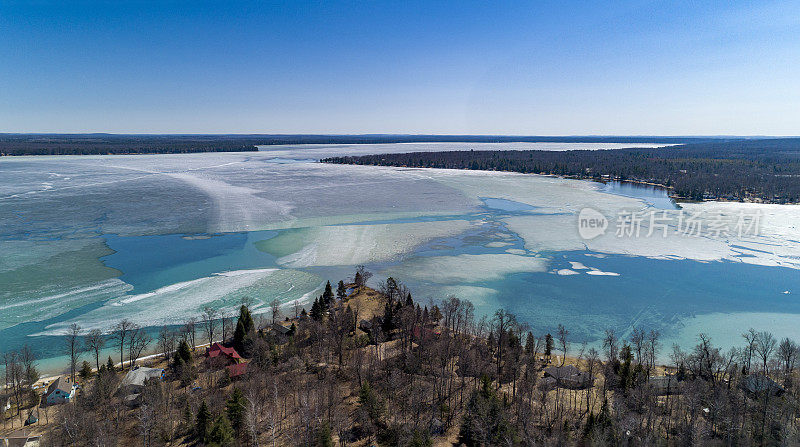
(436, 67)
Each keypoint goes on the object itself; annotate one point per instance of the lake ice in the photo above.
(154, 238)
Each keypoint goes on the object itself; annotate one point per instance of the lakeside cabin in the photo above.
(134, 381)
(758, 384)
(664, 385)
(567, 376)
(219, 354)
(60, 391)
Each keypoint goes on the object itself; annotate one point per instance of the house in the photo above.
(279, 330)
(237, 370)
(133, 382)
(568, 376)
(759, 384)
(60, 391)
(664, 385)
(220, 355)
(20, 438)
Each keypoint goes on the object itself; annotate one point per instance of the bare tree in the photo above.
(787, 353)
(190, 330)
(275, 307)
(764, 347)
(120, 334)
(94, 343)
(209, 322)
(73, 348)
(138, 341)
(227, 320)
(610, 343)
(750, 338)
(637, 339)
(166, 341)
(562, 341)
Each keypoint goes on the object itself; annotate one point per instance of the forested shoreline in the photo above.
(370, 366)
(745, 170)
(106, 144)
(87, 144)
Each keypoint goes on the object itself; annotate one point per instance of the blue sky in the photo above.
(524, 68)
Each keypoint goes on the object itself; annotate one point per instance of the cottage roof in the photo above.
(237, 369)
(279, 328)
(216, 349)
(757, 383)
(560, 372)
(138, 375)
(60, 384)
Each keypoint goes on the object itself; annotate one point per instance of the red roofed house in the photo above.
(237, 370)
(221, 355)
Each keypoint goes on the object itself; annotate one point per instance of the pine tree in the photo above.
(327, 296)
(548, 345)
(86, 370)
(221, 433)
(240, 336)
(529, 342)
(341, 291)
(409, 300)
(388, 319)
(202, 423)
(316, 310)
(235, 408)
(184, 353)
(247, 319)
(324, 438)
(110, 364)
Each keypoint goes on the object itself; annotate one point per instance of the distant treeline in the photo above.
(89, 144)
(85, 144)
(767, 170)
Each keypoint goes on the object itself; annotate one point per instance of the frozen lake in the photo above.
(155, 238)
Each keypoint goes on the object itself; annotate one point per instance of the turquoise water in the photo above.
(161, 267)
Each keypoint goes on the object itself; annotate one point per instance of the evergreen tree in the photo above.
(327, 296)
(184, 354)
(240, 335)
(316, 310)
(409, 300)
(529, 342)
(341, 291)
(487, 419)
(324, 438)
(110, 364)
(86, 370)
(221, 433)
(202, 423)
(247, 319)
(235, 408)
(548, 345)
(388, 319)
